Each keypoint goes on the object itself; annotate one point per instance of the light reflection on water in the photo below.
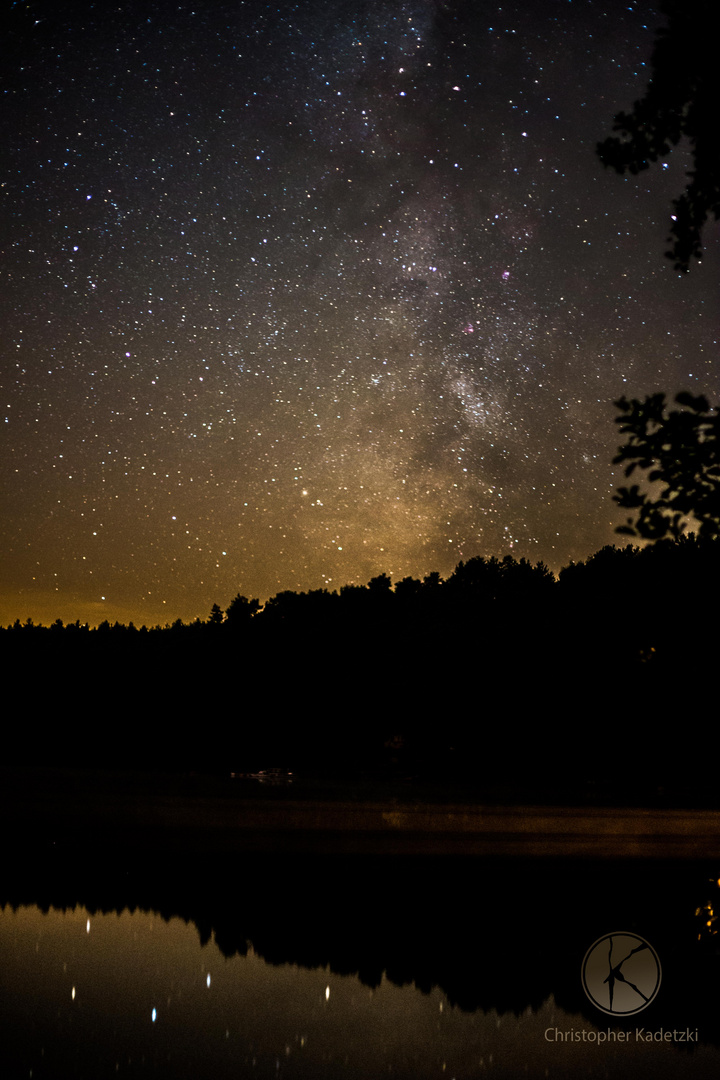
(130, 993)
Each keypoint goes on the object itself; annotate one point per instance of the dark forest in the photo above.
(500, 674)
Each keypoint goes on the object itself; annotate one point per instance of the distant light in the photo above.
(87, 924)
(327, 993)
(73, 993)
(208, 980)
(154, 1015)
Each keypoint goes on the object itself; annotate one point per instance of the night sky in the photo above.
(300, 293)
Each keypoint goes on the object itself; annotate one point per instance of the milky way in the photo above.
(297, 294)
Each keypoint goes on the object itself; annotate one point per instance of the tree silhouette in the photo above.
(380, 585)
(680, 450)
(216, 615)
(241, 611)
(681, 100)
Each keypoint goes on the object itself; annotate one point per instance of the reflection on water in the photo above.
(124, 994)
(488, 984)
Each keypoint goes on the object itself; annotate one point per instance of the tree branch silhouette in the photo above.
(679, 449)
(681, 100)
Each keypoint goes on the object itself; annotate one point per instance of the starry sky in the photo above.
(300, 293)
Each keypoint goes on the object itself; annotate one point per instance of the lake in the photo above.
(348, 966)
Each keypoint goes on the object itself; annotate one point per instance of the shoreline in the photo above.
(116, 813)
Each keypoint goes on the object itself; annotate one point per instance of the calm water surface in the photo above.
(357, 970)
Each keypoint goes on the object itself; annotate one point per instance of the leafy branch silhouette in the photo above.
(681, 450)
(680, 102)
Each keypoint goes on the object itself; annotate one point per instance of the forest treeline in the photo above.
(627, 585)
(500, 671)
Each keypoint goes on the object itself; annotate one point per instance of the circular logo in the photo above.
(621, 974)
